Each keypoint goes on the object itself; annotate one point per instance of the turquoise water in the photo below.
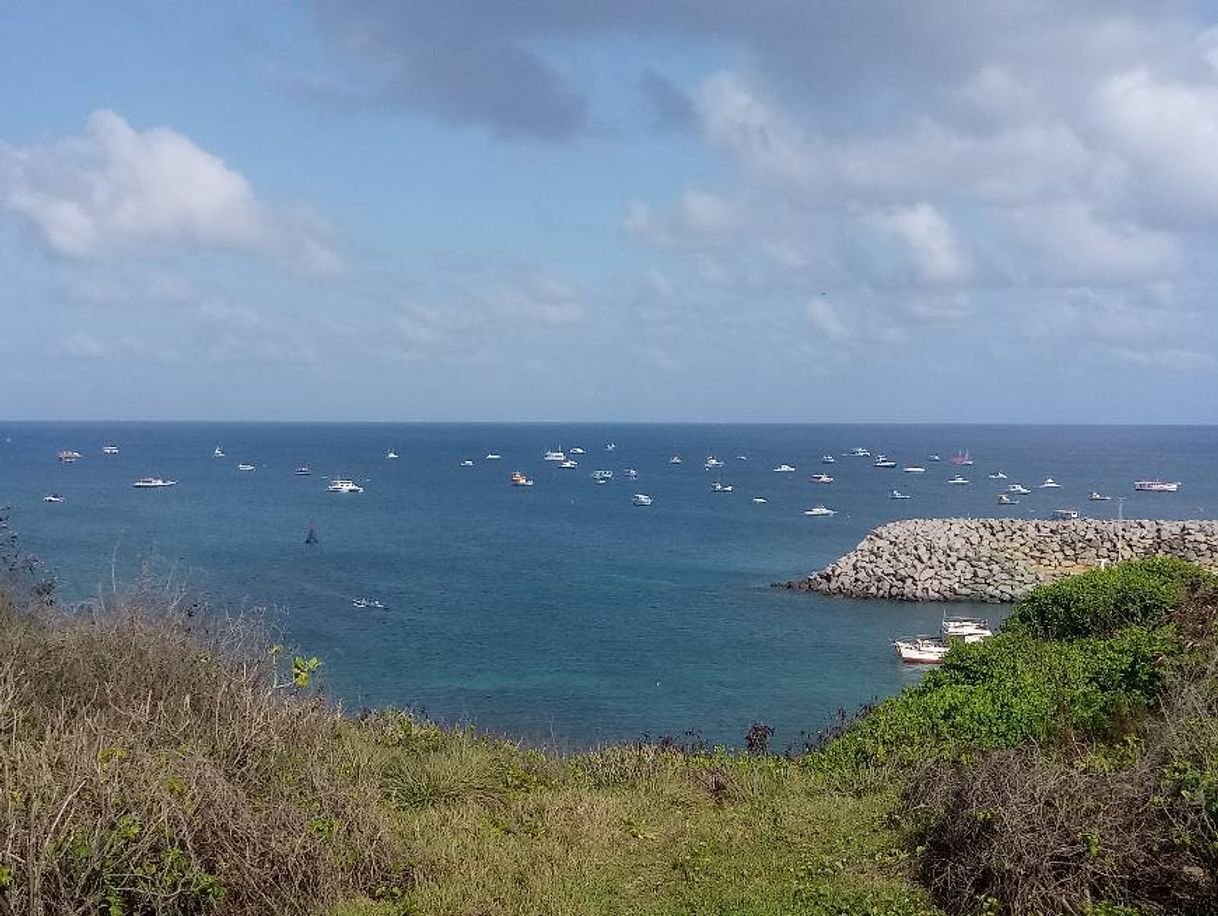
(560, 613)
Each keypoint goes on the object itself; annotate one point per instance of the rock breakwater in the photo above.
(998, 560)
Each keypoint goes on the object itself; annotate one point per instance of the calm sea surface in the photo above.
(561, 613)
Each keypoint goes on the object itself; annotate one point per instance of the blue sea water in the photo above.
(561, 613)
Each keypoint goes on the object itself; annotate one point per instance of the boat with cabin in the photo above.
(520, 480)
(1050, 484)
(67, 456)
(1018, 489)
(827, 459)
(859, 452)
(720, 487)
(897, 494)
(1004, 499)
(1156, 486)
(958, 480)
(303, 471)
(883, 461)
(784, 469)
(1065, 515)
(998, 475)
(343, 485)
(969, 629)
(640, 499)
(217, 452)
(52, 498)
(1097, 497)
(675, 459)
(821, 478)
(554, 454)
(245, 467)
(921, 650)
(820, 511)
(109, 449)
(153, 483)
(391, 454)
(914, 469)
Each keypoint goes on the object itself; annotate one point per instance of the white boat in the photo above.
(245, 467)
(897, 494)
(819, 511)
(109, 449)
(153, 483)
(1096, 497)
(1050, 484)
(745, 458)
(784, 469)
(1004, 499)
(554, 455)
(391, 454)
(217, 452)
(969, 629)
(569, 465)
(914, 469)
(827, 459)
(935, 458)
(883, 461)
(602, 475)
(759, 500)
(821, 478)
(712, 462)
(632, 474)
(519, 480)
(67, 456)
(998, 475)
(640, 499)
(921, 650)
(675, 459)
(718, 487)
(52, 498)
(610, 446)
(958, 480)
(342, 485)
(1018, 489)
(859, 452)
(467, 463)
(601, 481)
(363, 602)
(1065, 515)
(1156, 486)
(492, 456)
(303, 470)
(576, 451)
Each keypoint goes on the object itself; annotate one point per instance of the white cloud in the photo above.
(823, 319)
(116, 189)
(935, 250)
(698, 220)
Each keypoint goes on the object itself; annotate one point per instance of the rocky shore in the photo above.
(999, 560)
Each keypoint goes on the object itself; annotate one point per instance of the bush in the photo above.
(1102, 601)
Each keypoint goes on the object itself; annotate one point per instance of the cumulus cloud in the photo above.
(117, 189)
(698, 219)
(932, 243)
(823, 319)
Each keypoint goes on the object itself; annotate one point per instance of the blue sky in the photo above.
(666, 210)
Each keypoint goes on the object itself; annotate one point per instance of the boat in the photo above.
(759, 500)
(610, 446)
(827, 459)
(969, 629)
(675, 459)
(712, 462)
(935, 458)
(303, 470)
(640, 499)
(343, 485)
(569, 465)
(719, 487)
(67, 456)
(859, 452)
(576, 451)
(1004, 499)
(492, 456)
(602, 475)
(921, 650)
(884, 461)
(601, 481)
(819, 511)
(391, 454)
(784, 469)
(52, 498)
(745, 458)
(519, 480)
(997, 475)
(632, 474)
(217, 452)
(914, 469)
(153, 483)
(363, 602)
(245, 467)
(958, 480)
(897, 494)
(467, 463)
(1096, 497)
(1050, 484)
(109, 449)
(1018, 488)
(554, 454)
(821, 478)
(1156, 486)
(1065, 515)
(964, 459)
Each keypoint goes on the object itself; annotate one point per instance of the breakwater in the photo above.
(999, 560)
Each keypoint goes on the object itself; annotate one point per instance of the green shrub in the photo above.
(1102, 601)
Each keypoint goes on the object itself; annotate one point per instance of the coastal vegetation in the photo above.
(160, 756)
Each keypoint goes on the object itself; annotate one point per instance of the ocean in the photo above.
(561, 614)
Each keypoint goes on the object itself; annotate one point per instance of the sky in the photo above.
(651, 210)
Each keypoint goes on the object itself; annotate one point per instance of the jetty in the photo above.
(999, 560)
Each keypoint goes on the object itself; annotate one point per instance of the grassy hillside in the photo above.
(160, 758)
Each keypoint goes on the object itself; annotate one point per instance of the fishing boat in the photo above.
(969, 629)
(109, 449)
(963, 459)
(1097, 497)
(818, 511)
(1050, 484)
(1156, 486)
(784, 469)
(52, 498)
(520, 480)
(640, 499)
(897, 494)
(712, 462)
(67, 456)
(958, 480)
(921, 650)
(153, 483)
(343, 485)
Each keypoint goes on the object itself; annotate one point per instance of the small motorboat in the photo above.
(817, 511)
(245, 467)
(935, 458)
(575, 451)
(821, 478)
(958, 480)
(303, 471)
(784, 469)
(391, 454)
(884, 461)
(467, 463)
(1050, 484)
(610, 446)
(492, 456)
(998, 475)
(675, 459)
(364, 602)
(217, 452)
(827, 459)
(921, 650)
(343, 485)
(897, 494)
(1004, 499)
(1018, 489)
(109, 449)
(746, 458)
(1065, 515)
(1156, 486)
(67, 456)
(969, 629)
(153, 483)
(760, 500)
(1096, 497)
(718, 487)
(52, 498)
(520, 480)
(631, 474)
(640, 499)
(914, 469)
(569, 465)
